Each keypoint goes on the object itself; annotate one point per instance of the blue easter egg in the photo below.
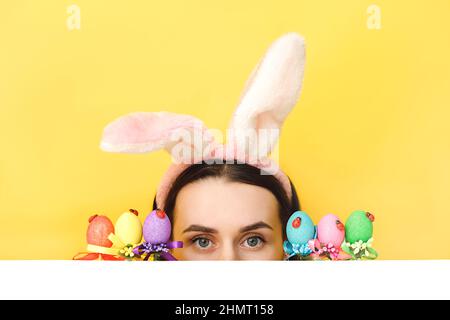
(300, 228)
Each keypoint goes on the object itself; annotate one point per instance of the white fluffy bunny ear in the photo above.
(143, 132)
(269, 95)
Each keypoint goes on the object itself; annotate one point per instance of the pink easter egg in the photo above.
(331, 230)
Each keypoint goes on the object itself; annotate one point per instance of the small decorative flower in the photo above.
(127, 251)
(325, 250)
(361, 249)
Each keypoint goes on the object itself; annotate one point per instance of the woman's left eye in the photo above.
(253, 242)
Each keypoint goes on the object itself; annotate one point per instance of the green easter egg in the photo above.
(358, 227)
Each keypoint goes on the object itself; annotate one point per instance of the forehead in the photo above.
(216, 202)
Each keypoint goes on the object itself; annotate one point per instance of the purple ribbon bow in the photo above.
(162, 249)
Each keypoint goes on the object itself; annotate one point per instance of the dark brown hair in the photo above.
(242, 173)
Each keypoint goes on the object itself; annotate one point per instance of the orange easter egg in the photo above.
(100, 227)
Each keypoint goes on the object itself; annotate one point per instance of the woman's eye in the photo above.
(253, 242)
(203, 243)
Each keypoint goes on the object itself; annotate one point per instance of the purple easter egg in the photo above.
(157, 227)
(330, 230)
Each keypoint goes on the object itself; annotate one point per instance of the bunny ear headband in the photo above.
(269, 95)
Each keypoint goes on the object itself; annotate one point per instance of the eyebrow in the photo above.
(199, 228)
(257, 225)
(254, 226)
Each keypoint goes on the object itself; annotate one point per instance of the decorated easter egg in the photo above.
(359, 226)
(129, 227)
(157, 227)
(330, 230)
(100, 227)
(300, 228)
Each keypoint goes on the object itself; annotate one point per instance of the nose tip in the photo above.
(228, 256)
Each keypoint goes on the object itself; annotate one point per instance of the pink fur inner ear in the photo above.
(272, 89)
(146, 131)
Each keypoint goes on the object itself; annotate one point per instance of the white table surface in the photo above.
(225, 280)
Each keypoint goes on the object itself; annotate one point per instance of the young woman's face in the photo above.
(221, 220)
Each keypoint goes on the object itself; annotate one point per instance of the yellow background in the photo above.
(371, 130)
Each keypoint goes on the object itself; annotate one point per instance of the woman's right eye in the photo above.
(202, 243)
